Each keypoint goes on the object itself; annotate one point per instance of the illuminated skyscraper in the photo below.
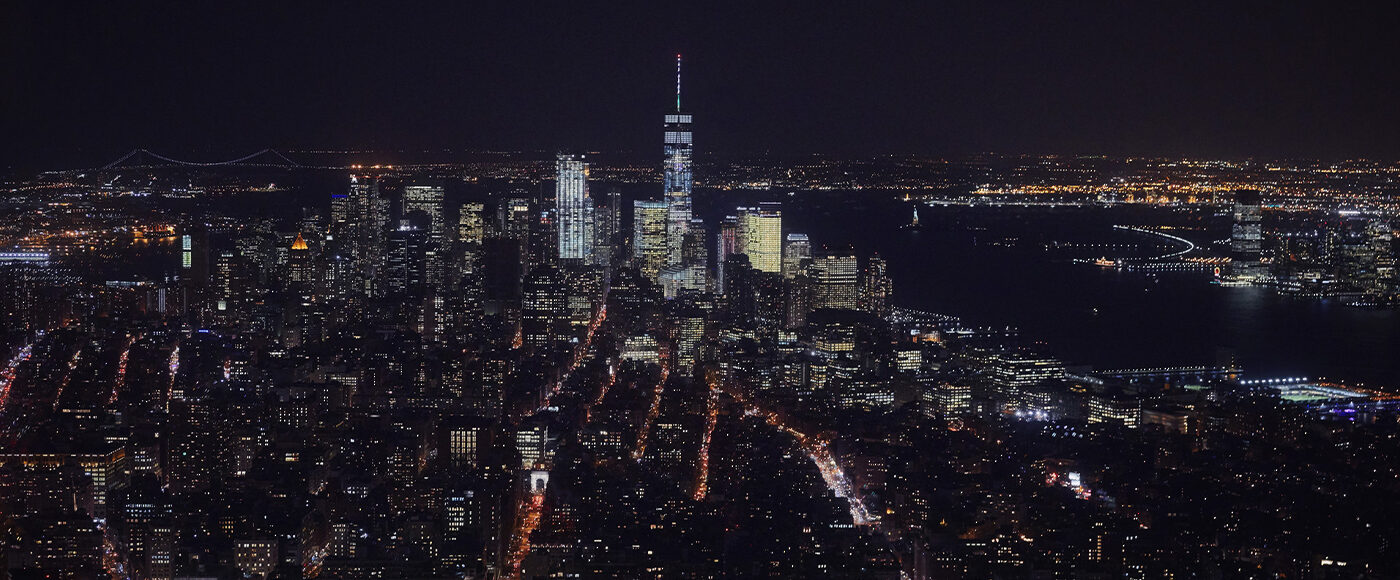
(834, 281)
(406, 263)
(574, 208)
(361, 233)
(799, 299)
(605, 242)
(797, 249)
(471, 232)
(423, 206)
(876, 288)
(1012, 373)
(427, 199)
(678, 177)
(544, 306)
(688, 327)
(692, 273)
(194, 259)
(1246, 238)
(300, 269)
(649, 219)
(341, 210)
(761, 236)
(464, 444)
(694, 251)
(513, 217)
(726, 244)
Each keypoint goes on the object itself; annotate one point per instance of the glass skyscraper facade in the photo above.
(649, 236)
(571, 201)
(834, 281)
(797, 249)
(427, 199)
(678, 177)
(1246, 238)
(761, 236)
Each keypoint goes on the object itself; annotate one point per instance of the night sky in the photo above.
(84, 85)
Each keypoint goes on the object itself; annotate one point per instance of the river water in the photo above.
(990, 267)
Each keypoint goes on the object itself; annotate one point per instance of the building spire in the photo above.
(678, 82)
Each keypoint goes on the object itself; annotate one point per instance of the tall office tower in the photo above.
(194, 255)
(232, 283)
(649, 249)
(362, 236)
(692, 273)
(1246, 238)
(726, 244)
(590, 236)
(584, 289)
(544, 306)
(542, 244)
(834, 281)
(678, 176)
(337, 253)
(340, 209)
(573, 207)
(614, 218)
(694, 250)
(606, 227)
(761, 236)
(688, 334)
(194, 271)
(300, 267)
(471, 223)
(407, 264)
(770, 302)
(471, 232)
(799, 299)
(877, 288)
(795, 250)
(428, 200)
(1380, 280)
(739, 289)
(195, 444)
(513, 217)
(145, 527)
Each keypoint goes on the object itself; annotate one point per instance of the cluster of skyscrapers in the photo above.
(1348, 255)
(425, 378)
(672, 247)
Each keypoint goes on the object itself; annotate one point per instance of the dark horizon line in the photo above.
(636, 156)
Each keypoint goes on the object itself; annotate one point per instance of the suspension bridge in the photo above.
(142, 158)
(146, 158)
